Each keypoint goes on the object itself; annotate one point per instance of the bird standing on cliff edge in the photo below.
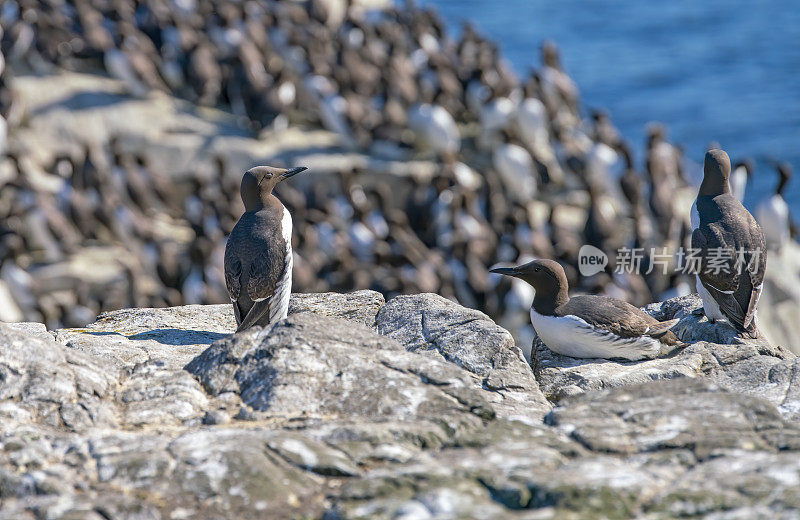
(258, 255)
(731, 247)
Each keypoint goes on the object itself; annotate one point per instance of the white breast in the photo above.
(496, 115)
(279, 304)
(516, 169)
(435, 128)
(710, 305)
(574, 337)
(694, 216)
(286, 227)
(531, 120)
(739, 182)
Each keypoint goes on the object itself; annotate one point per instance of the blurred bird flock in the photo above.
(127, 126)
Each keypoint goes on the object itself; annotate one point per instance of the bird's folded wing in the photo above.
(233, 275)
(257, 311)
(721, 284)
(755, 274)
(283, 291)
(233, 281)
(623, 327)
(751, 308)
(269, 286)
(615, 316)
(728, 304)
(265, 271)
(661, 328)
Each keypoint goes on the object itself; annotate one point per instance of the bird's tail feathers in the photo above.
(750, 312)
(662, 328)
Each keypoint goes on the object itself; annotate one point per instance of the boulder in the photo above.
(692, 415)
(43, 383)
(620, 453)
(683, 448)
(438, 328)
(170, 337)
(31, 328)
(358, 306)
(318, 366)
(174, 336)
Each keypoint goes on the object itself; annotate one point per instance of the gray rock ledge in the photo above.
(413, 408)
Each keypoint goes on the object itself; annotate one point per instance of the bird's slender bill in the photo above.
(293, 171)
(508, 271)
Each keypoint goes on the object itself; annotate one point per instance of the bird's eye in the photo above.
(536, 269)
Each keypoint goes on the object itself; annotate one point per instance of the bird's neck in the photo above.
(546, 303)
(265, 200)
(713, 187)
(781, 186)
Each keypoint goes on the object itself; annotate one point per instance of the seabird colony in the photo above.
(519, 173)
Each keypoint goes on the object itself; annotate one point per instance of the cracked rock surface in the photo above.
(415, 408)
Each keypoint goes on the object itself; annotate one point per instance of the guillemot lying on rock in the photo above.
(588, 326)
(731, 248)
(258, 255)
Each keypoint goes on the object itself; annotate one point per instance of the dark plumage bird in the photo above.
(588, 326)
(258, 255)
(731, 247)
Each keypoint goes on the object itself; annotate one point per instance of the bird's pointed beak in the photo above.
(293, 171)
(507, 271)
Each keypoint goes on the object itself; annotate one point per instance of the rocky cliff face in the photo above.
(414, 408)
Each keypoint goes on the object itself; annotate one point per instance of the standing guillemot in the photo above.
(258, 255)
(663, 164)
(742, 172)
(731, 248)
(773, 213)
(588, 326)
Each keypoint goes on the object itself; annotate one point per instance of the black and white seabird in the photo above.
(588, 326)
(742, 172)
(258, 255)
(773, 213)
(730, 284)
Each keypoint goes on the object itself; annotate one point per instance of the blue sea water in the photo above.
(724, 71)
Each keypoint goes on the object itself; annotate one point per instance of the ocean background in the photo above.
(712, 71)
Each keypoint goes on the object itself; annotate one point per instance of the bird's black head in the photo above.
(258, 182)
(785, 174)
(550, 54)
(656, 132)
(546, 276)
(716, 173)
